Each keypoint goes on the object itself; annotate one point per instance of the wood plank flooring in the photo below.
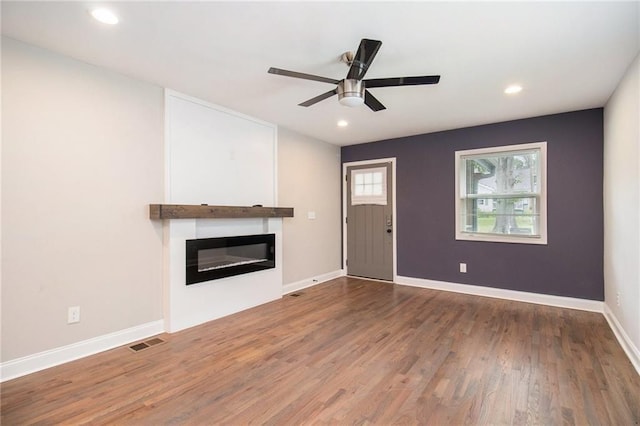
(352, 351)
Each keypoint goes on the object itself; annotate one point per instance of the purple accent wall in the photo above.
(571, 264)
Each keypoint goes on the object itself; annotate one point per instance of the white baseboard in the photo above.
(625, 341)
(498, 293)
(310, 282)
(42, 360)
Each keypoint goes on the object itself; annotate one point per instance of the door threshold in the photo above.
(371, 279)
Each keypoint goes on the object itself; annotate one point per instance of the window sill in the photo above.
(493, 238)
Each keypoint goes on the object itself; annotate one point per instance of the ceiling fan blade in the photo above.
(319, 98)
(363, 58)
(302, 75)
(372, 102)
(401, 81)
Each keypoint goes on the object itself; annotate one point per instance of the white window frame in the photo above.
(460, 197)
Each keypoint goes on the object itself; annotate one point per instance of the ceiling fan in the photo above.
(352, 90)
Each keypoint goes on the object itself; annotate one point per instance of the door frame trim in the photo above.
(391, 160)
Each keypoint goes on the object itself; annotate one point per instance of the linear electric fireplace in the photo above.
(213, 258)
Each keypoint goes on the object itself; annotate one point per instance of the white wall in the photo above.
(309, 181)
(622, 209)
(82, 159)
(217, 156)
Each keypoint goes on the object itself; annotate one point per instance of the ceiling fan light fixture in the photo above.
(351, 101)
(351, 93)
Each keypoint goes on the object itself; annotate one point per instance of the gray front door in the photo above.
(369, 221)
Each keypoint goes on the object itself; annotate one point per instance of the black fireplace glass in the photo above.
(213, 258)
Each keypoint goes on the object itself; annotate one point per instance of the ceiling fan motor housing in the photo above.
(351, 92)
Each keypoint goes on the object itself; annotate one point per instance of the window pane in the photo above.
(502, 173)
(504, 216)
(369, 186)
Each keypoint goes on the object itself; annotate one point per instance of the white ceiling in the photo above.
(568, 56)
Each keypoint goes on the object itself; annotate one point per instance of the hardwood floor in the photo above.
(352, 351)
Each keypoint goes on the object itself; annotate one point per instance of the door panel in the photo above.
(369, 230)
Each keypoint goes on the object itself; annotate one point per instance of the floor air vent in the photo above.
(146, 344)
(138, 347)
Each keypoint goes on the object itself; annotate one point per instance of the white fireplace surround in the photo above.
(187, 306)
(218, 157)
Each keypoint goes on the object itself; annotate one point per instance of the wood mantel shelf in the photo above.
(188, 211)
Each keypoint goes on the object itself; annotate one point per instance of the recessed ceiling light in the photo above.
(513, 89)
(105, 16)
(343, 123)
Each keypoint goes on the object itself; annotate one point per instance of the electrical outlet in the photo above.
(73, 315)
(463, 268)
(618, 298)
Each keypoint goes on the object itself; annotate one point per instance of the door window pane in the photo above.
(369, 186)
